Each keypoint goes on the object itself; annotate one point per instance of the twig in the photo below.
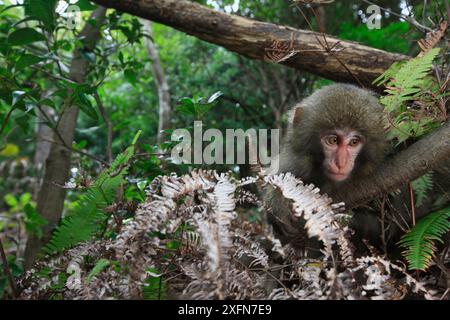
(78, 151)
(7, 271)
(5, 121)
(329, 49)
(109, 125)
(382, 223)
(413, 207)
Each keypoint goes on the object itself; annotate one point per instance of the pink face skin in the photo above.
(340, 147)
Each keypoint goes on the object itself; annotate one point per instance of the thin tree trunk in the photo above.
(51, 196)
(350, 62)
(161, 83)
(44, 134)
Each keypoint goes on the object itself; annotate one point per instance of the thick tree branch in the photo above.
(429, 153)
(252, 38)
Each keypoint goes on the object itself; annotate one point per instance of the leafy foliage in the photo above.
(196, 107)
(88, 217)
(419, 243)
(389, 37)
(405, 83)
(421, 187)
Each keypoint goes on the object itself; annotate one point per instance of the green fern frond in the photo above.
(88, 216)
(421, 186)
(408, 81)
(419, 243)
(389, 73)
(101, 265)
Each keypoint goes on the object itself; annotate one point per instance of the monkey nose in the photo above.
(341, 161)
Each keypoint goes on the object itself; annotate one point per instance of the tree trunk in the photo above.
(51, 197)
(160, 82)
(44, 134)
(351, 63)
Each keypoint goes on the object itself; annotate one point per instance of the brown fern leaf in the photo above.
(432, 38)
(280, 50)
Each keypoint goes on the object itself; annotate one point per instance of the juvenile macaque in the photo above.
(334, 137)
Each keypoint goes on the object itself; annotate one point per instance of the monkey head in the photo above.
(340, 150)
(335, 135)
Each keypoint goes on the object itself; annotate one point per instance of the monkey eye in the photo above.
(354, 142)
(331, 140)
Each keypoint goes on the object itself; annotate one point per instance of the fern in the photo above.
(101, 265)
(421, 186)
(88, 216)
(408, 81)
(419, 243)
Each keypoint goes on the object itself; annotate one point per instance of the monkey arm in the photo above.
(429, 153)
(347, 61)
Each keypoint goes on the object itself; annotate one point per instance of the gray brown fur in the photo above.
(336, 106)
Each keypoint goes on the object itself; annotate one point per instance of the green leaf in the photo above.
(130, 75)
(142, 184)
(187, 106)
(42, 10)
(25, 36)
(33, 221)
(85, 5)
(24, 123)
(87, 107)
(421, 187)
(11, 201)
(27, 60)
(25, 198)
(99, 267)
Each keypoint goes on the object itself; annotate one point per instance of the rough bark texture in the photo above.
(44, 135)
(51, 197)
(160, 82)
(251, 38)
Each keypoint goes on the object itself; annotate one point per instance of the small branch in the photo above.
(7, 271)
(413, 207)
(382, 223)
(108, 124)
(5, 121)
(78, 151)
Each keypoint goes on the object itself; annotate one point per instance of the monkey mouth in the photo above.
(338, 177)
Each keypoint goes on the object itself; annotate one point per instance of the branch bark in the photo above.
(160, 82)
(51, 196)
(251, 38)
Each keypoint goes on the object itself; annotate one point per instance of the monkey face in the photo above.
(340, 149)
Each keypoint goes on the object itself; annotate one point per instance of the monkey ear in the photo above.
(298, 114)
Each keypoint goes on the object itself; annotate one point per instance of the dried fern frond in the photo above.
(432, 38)
(187, 235)
(280, 50)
